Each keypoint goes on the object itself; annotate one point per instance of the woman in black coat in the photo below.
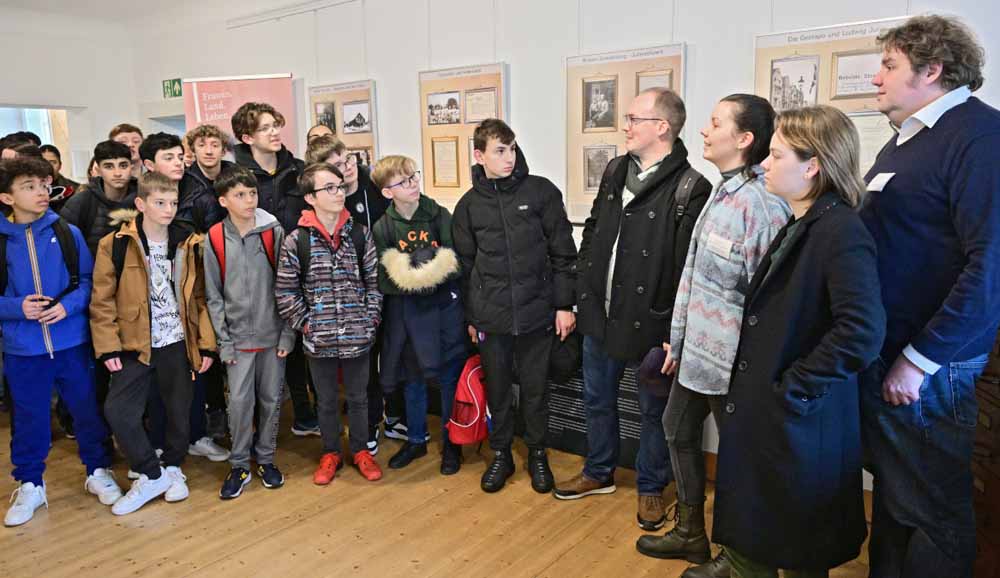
(788, 491)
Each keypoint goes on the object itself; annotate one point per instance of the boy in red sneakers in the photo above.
(327, 288)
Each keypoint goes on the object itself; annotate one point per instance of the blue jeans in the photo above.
(415, 394)
(923, 523)
(601, 375)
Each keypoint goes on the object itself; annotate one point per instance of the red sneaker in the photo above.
(367, 466)
(328, 466)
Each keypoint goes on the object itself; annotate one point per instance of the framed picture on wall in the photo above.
(326, 115)
(472, 152)
(853, 72)
(357, 117)
(363, 154)
(480, 104)
(595, 160)
(444, 161)
(794, 82)
(654, 79)
(444, 108)
(600, 104)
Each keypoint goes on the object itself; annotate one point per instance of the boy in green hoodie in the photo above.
(424, 341)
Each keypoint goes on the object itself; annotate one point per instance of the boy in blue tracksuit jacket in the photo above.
(46, 338)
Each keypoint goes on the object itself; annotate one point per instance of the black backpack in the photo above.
(304, 250)
(67, 245)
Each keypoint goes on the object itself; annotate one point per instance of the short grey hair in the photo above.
(670, 106)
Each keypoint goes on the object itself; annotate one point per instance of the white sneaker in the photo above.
(142, 491)
(207, 448)
(27, 498)
(103, 485)
(135, 475)
(178, 489)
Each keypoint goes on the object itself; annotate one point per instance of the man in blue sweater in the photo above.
(933, 208)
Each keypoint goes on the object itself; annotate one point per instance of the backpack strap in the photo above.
(118, 249)
(683, 193)
(304, 252)
(3, 264)
(267, 238)
(71, 257)
(358, 237)
(218, 242)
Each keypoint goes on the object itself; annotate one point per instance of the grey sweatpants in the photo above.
(256, 377)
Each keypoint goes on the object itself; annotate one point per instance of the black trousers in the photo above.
(126, 402)
(527, 357)
(298, 380)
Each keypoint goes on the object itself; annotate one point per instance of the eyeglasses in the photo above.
(266, 128)
(332, 189)
(351, 161)
(630, 120)
(408, 181)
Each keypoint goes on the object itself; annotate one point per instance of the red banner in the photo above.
(215, 100)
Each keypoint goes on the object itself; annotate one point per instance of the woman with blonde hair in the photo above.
(788, 492)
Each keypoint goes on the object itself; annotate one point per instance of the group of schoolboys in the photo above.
(255, 267)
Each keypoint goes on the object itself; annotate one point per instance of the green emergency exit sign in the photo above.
(172, 88)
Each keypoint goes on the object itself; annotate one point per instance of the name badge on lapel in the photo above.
(879, 181)
(720, 245)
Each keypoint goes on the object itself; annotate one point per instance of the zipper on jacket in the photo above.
(510, 262)
(36, 276)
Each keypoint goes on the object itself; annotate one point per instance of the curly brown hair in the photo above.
(207, 131)
(247, 118)
(943, 40)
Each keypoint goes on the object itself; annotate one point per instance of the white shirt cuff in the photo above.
(916, 358)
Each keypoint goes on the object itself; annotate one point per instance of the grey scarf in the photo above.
(632, 182)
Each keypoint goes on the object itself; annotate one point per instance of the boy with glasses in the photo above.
(327, 288)
(257, 128)
(424, 341)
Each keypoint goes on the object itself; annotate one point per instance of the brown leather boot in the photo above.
(687, 539)
(651, 513)
(718, 567)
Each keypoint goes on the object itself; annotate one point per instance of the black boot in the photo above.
(407, 454)
(718, 567)
(686, 540)
(541, 476)
(501, 468)
(451, 457)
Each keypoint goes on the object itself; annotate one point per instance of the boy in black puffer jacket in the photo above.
(516, 249)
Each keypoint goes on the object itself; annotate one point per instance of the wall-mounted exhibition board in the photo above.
(599, 90)
(452, 103)
(349, 110)
(832, 65)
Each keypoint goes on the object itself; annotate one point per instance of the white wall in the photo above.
(82, 65)
(391, 40)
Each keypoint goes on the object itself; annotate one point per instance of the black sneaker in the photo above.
(270, 476)
(237, 479)
(541, 476)
(305, 427)
(373, 436)
(496, 474)
(451, 458)
(407, 454)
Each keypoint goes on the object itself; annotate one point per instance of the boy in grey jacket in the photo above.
(240, 257)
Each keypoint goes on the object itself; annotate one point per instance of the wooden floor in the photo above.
(414, 522)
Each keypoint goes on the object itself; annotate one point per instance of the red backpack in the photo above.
(218, 242)
(469, 423)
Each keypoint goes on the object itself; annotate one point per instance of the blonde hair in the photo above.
(207, 131)
(826, 133)
(151, 182)
(390, 167)
(321, 147)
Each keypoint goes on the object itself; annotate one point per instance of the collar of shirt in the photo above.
(737, 181)
(645, 173)
(928, 116)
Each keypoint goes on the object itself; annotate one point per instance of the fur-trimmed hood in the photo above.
(119, 217)
(412, 274)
